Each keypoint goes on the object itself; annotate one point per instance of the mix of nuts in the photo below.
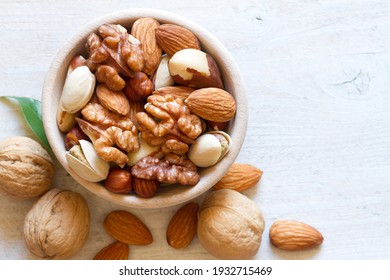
(145, 107)
(142, 109)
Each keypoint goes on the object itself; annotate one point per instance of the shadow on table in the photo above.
(307, 254)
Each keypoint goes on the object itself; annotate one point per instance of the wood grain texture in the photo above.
(317, 81)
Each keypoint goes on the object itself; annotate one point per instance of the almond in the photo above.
(127, 228)
(182, 226)
(115, 251)
(213, 104)
(239, 177)
(115, 101)
(173, 38)
(145, 188)
(176, 91)
(294, 235)
(144, 30)
(135, 107)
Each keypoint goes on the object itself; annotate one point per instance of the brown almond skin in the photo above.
(127, 228)
(173, 38)
(115, 101)
(135, 107)
(181, 92)
(239, 177)
(144, 29)
(115, 251)
(212, 104)
(182, 226)
(294, 235)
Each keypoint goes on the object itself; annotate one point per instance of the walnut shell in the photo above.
(230, 225)
(26, 169)
(57, 225)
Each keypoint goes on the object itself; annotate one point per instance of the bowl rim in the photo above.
(237, 130)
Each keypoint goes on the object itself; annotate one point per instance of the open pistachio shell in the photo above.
(85, 162)
(225, 141)
(209, 148)
(205, 151)
(100, 166)
(78, 89)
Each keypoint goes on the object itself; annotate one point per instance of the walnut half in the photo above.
(113, 135)
(114, 53)
(168, 122)
(171, 169)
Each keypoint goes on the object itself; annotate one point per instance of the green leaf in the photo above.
(31, 109)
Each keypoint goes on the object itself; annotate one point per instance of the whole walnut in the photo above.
(26, 169)
(230, 225)
(57, 225)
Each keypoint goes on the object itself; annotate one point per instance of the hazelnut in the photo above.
(76, 62)
(73, 136)
(119, 181)
(217, 125)
(145, 188)
(138, 87)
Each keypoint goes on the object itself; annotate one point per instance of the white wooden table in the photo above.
(317, 75)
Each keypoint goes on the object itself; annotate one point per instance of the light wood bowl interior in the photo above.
(167, 195)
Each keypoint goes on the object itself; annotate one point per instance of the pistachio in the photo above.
(78, 89)
(225, 140)
(209, 148)
(65, 120)
(86, 163)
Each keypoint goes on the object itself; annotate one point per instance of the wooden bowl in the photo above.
(167, 195)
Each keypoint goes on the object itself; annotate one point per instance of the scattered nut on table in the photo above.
(294, 235)
(230, 225)
(57, 225)
(26, 167)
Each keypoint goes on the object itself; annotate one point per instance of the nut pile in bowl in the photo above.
(143, 110)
